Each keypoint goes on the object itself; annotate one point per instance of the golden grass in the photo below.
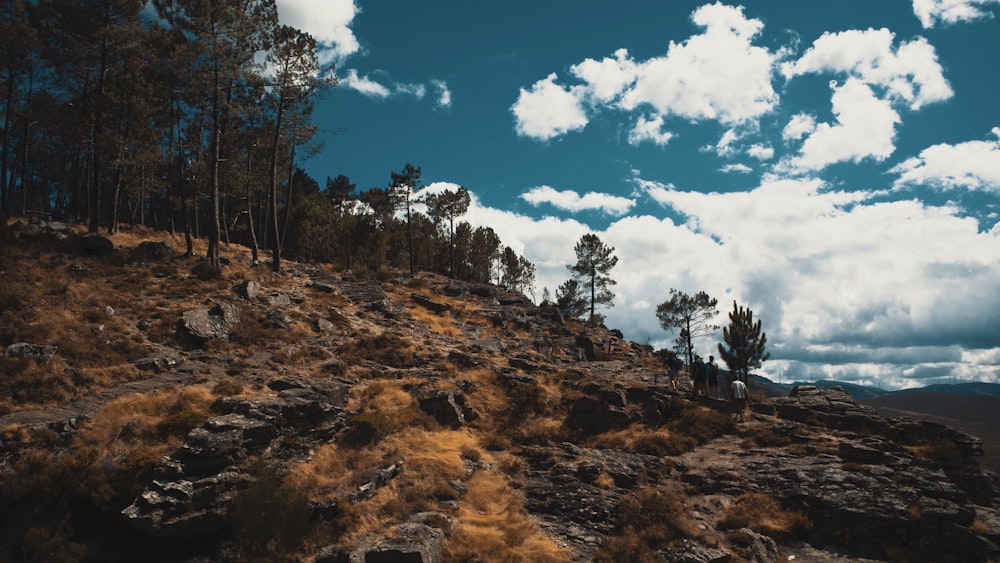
(140, 429)
(439, 323)
(763, 514)
(492, 525)
(644, 440)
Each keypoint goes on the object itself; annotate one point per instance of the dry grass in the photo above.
(765, 515)
(643, 440)
(138, 430)
(492, 525)
(943, 451)
(646, 520)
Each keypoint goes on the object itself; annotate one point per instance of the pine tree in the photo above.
(594, 260)
(570, 300)
(745, 342)
(690, 315)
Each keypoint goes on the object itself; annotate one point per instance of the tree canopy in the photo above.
(594, 261)
(691, 316)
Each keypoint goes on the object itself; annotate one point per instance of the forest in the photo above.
(193, 116)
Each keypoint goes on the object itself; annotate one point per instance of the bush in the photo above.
(206, 271)
(763, 514)
(386, 349)
(703, 424)
(645, 520)
(270, 517)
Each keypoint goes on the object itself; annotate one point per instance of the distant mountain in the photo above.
(977, 388)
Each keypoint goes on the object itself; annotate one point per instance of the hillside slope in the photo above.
(154, 409)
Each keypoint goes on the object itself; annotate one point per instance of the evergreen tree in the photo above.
(594, 260)
(570, 300)
(745, 342)
(449, 205)
(402, 186)
(690, 315)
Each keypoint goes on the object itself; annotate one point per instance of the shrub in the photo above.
(227, 386)
(270, 516)
(206, 271)
(645, 520)
(703, 424)
(761, 436)
(763, 514)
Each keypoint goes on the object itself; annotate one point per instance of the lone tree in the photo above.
(690, 315)
(594, 260)
(745, 342)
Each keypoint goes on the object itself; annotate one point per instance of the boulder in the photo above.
(211, 324)
(447, 407)
(39, 353)
(429, 304)
(591, 414)
(150, 250)
(248, 289)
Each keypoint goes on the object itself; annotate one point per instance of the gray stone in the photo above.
(39, 353)
(211, 324)
(248, 289)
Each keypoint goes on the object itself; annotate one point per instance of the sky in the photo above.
(833, 166)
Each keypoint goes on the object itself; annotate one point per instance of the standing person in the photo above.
(712, 372)
(739, 392)
(698, 376)
(673, 369)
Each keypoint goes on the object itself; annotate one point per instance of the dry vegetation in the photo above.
(106, 313)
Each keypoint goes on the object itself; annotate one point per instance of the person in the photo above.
(739, 392)
(673, 369)
(712, 373)
(698, 376)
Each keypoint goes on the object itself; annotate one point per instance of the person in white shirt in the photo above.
(739, 392)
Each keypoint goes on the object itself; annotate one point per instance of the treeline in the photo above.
(191, 116)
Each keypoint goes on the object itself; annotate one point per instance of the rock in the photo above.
(150, 250)
(586, 345)
(248, 289)
(323, 325)
(211, 324)
(185, 508)
(277, 299)
(595, 415)
(429, 304)
(159, 364)
(447, 407)
(93, 245)
(39, 353)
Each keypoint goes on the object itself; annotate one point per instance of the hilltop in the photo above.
(155, 408)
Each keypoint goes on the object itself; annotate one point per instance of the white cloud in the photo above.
(910, 73)
(548, 110)
(365, 85)
(718, 75)
(760, 152)
(865, 128)
(649, 129)
(444, 93)
(973, 165)
(798, 126)
(931, 12)
(569, 200)
(328, 21)
(607, 78)
(418, 91)
(736, 169)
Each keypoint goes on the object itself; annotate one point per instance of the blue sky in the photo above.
(834, 166)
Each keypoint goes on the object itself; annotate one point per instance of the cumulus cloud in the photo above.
(798, 126)
(910, 73)
(932, 12)
(548, 110)
(649, 129)
(569, 200)
(443, 93)
(973, 165)
(865, 128)
(717, 75)
(328, 21)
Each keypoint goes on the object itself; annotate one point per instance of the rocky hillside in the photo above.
(156, 409)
